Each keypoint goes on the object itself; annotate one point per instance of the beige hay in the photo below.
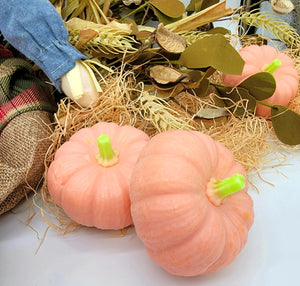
(124, 101)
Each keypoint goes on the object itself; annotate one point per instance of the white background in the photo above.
(95, 257)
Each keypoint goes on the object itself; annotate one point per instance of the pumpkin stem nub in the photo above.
(273, 66)
(107, 156)
(219, 190)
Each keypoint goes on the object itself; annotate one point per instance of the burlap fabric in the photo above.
(23, 144)
(26, 108)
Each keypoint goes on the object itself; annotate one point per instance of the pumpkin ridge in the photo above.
(233, 217)
(94, 202)
(109, 128)
(154, 194)
(67, 148)
(142, 164)
(234, 205)
(166, 148)
(130, 161)
(214, 154)
(126, 206)
(81, 156)
(86, 132)
(193, 162)
(220, 263)
(196, 256)
(60, 161)
(224, 164)
(71, 205)
(117, 195)
(180, 215)
(124, 139)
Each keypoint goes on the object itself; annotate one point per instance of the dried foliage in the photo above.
(96, 40)
(169, 41)
(129, 98)
(125, 101)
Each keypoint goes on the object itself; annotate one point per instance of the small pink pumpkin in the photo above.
(264, 58)
(89, 178)
(184, 203)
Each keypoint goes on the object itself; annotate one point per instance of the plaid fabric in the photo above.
(5, 53)
(19, 90)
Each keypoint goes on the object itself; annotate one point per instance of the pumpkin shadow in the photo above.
(104, 241)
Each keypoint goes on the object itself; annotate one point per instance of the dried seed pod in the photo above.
(169, 41)
(282, 6)
(166, 75)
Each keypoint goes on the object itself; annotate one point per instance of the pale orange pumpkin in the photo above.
(90, 174)
(267, 58)
(185, 205)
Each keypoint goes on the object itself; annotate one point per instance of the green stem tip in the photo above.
(229, 185)
(273, 66)
(219, 190)
(107, 156)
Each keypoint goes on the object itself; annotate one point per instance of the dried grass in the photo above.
(124, 101)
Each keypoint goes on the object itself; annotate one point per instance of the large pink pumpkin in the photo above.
(186, 228)
(257, 58)
(93, 191)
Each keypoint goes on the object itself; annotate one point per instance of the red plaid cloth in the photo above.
(5, 53)
(19, 90)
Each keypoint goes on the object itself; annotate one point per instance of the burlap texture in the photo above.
(23, 145)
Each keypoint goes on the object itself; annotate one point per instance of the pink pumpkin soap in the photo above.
(189, 203)
(267, 58)
(90, 174)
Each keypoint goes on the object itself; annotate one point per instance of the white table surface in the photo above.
(95, 257)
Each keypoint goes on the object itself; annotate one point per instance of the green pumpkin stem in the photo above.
(217, 191)
(107, 156)
(273, 66)
(228, 186)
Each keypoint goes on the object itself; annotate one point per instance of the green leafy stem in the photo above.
(255, 89)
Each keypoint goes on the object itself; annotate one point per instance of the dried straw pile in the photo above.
(125, 101)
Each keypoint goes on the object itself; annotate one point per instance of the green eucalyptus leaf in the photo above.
(199, 82)
(261, 85)
(170, 8)
(163, 18)
(194, 6)
(286, 124)
(231, 95)
(208, 3)
(202, 89)
(219, 30)
(199, 74)
(196, 76)
(213, 51)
